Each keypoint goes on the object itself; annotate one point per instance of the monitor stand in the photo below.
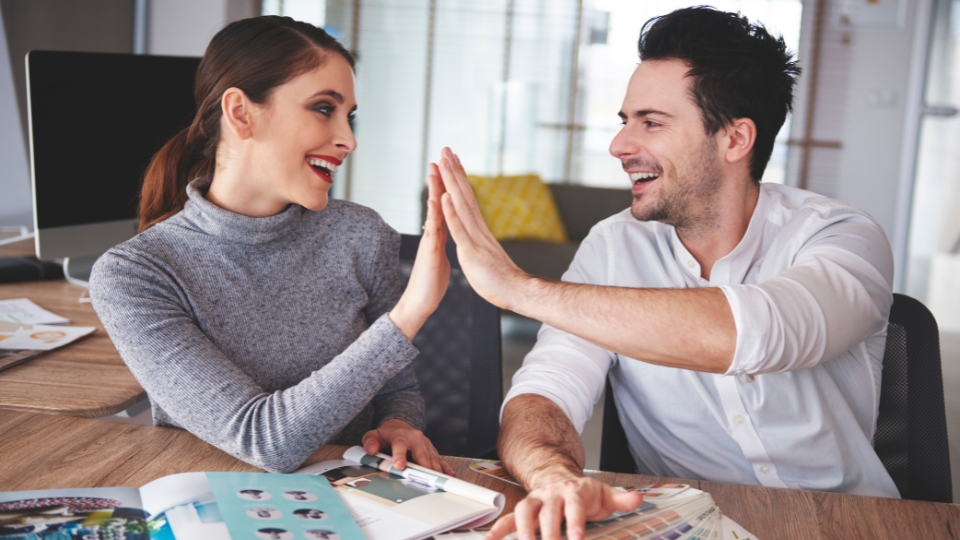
(77, 269)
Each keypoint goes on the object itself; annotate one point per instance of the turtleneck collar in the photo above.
(233, 227)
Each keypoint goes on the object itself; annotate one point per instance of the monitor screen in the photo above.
(96, 120)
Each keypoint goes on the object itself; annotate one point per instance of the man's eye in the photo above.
(651, 123)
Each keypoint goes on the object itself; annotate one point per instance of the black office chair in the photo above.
(459, 366)
(911, 436)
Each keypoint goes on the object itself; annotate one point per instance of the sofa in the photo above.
(580, 208)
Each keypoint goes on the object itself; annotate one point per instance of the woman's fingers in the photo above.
(398, 448)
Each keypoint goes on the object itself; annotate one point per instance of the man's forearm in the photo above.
(683, 328)
(537, 442)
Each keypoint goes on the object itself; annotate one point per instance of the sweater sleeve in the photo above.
(204, 392)
(400, 398)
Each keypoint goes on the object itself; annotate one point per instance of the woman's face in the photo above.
(303, 134)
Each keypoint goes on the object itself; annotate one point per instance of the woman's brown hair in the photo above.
(255, 55)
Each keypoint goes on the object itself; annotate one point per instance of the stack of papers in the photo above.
(23, 311)
(27, 331)
(674, 511)
(668, 512)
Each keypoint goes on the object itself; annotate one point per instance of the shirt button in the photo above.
(691, 264)
(738, 419)
(765, 469)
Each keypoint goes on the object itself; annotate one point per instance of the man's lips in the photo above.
(641, 180)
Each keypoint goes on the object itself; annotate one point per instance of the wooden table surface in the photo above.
(46, 452)
(86, 378)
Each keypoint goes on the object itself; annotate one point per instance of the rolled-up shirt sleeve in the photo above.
(836, 292)
(567, 370)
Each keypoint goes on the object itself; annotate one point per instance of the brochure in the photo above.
(188, 506)
(24, 311)
(405, 505)
(21, 342)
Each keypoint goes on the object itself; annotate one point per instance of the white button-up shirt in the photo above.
(810, 290)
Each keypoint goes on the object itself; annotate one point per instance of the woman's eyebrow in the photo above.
(332, 93)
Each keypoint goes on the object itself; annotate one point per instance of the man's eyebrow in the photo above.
(645, 112)
(332, 93)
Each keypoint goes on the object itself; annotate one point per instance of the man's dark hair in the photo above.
(739, 70)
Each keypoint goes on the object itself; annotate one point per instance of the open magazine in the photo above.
(188, 506)
(405, 505)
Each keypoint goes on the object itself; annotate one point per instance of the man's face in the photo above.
(673, 164)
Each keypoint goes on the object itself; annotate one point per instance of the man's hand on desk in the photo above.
(398, 437)
(575, 499)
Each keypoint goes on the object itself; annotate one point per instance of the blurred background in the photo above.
(520, 87)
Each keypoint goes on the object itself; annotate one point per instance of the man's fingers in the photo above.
(625, 502)
(447, 469)
(462, 194)
(551, 516)
(576, 517)
(525, 514)
(504, 526)
(457, 230)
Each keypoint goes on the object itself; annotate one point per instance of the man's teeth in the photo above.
(323, 164)
(643, 176)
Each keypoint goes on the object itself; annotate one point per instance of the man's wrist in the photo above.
(553, 473)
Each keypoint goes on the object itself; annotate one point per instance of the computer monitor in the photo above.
(96, 120)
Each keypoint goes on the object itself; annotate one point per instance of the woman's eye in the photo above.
(325, 110)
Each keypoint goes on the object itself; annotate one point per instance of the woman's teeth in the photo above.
(643, 176)
(322, 164)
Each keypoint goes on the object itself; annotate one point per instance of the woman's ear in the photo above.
(237, 112)
(741, 134)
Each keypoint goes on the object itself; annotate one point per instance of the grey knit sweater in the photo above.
(266, 337)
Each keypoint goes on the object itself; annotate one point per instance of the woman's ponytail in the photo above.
(164, 191)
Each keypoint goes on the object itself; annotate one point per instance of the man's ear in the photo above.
(740, 136)
(237, 112)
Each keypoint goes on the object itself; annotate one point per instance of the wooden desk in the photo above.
(86, 378)
(45, 452)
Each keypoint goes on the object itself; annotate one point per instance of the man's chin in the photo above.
(647, 212)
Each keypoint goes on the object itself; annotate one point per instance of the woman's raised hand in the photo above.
(431, 270)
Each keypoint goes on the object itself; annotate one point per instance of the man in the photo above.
(742, 326)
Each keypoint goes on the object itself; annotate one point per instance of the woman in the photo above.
(257, 314)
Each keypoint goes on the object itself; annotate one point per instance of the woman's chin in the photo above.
(316, 203)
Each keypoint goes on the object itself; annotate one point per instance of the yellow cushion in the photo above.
(518, 207)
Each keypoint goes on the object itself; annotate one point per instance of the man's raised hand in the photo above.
(486, 265)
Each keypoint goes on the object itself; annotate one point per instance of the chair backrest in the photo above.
(614, 448)
(911, 436)
(459, 366)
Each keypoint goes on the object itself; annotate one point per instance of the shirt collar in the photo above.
(234, 227)
(733, 267)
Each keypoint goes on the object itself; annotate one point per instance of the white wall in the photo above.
(882, 111)
(184, 27)
(16, 203)
(869, 98)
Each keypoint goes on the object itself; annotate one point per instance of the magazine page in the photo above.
(389, 507)
(75, 514)
(221, 506)
(427, 477)
(21, 342)
(39, 337)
